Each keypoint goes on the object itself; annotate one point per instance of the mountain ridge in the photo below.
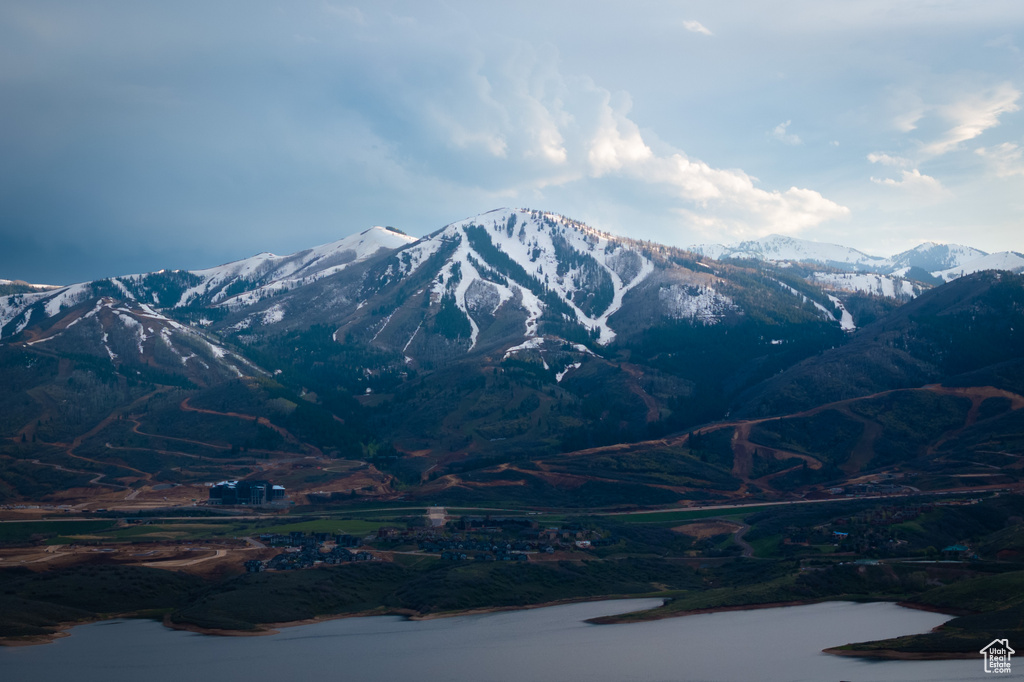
(475, 361)
(932, 257)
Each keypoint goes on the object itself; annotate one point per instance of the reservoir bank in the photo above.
(551, 644)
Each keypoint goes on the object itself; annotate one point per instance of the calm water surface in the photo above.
(540, 645)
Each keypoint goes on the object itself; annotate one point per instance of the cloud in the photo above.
(780, 134)
(973, 115)
(331, 117)
(522, 129)
(726, 202)
(916, 182)
(910, 109)
(696, 27)
(1005, 159)
(886, 160)
(617, 142)
(908, 120)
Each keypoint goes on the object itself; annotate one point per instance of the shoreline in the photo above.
(267, 629)
(35, 640)
(894, 655)
(878, 654)
(621, 619)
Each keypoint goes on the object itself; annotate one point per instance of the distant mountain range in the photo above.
(941, 261)
(511, 336)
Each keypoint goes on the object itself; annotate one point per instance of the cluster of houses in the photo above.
(483, 550)
(297, 538)
(467, 539)
(306, 551)
(885, 516)
(495, 535)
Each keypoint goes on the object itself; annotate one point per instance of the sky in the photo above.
(136, 136)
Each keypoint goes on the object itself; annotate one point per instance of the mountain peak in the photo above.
(776, 247)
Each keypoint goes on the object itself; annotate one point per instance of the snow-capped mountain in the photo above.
(531, 256)
(1004, 260)
(133, 334)
(480, 285)
(778, 248)
(504, 334)
(230, 286)
(513, 281)
(266, 274)
(932, 257)
(902, 276)
(25, 285)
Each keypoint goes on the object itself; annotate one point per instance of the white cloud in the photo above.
(617, 141)
(916, 182)
(907, 121)
(534, 101)
(1005, 159)
(718, 200)
(465, 134)
(887, 160)
(696, 27)
(910, 109)
(973, 115)
(780, 133)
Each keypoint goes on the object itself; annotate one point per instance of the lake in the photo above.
(536, 645)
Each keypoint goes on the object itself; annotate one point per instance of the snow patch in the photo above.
(805, 299)
(696, 303)
(846, 323)
(112, 354)
(561, 375)
(877, 285)
(529, 344)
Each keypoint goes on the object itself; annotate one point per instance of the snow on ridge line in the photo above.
(781, 248)
(300, 266)
(1004, 260)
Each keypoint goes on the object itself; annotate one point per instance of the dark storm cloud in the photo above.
(135, 136)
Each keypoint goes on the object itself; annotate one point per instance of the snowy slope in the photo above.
(530, 255)
(868, 283)
(233, 285)
(869, 274)
(135, 334)
(780, 248)
(26, 285)
(1004, 260)
(929, 256)
(267, 273)
(933, 257)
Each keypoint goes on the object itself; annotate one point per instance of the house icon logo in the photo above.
(997, 656)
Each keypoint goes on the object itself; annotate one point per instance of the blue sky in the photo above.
(136, 136)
